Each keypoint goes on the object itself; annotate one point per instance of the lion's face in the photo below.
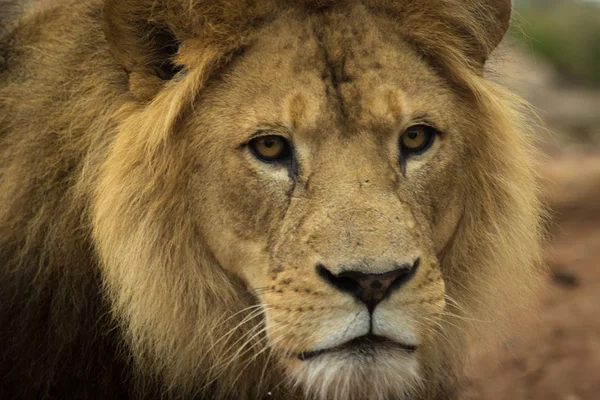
(329, 182)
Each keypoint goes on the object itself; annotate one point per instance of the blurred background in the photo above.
(552, 58)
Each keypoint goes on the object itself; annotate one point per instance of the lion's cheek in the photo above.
(245, 258)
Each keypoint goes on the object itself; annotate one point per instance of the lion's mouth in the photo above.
(366, 345)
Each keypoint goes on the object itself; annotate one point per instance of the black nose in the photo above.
(371, 289)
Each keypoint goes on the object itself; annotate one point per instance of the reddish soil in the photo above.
(556, 354)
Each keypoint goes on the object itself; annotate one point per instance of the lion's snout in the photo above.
(369, 288)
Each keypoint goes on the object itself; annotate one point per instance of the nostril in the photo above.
(342, 283)
(404, 275)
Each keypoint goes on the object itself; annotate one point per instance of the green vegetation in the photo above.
(565, 33)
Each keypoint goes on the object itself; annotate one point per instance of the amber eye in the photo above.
(270, 148)
(417, 139)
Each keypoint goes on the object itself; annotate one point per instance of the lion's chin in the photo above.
(379, 374)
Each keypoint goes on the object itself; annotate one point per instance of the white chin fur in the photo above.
(386, 375)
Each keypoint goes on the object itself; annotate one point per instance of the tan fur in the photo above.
(207, 256)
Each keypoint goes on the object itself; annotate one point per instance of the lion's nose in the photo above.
(371, 289)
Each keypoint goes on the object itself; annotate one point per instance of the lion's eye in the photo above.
(270, 148)
(417, 139)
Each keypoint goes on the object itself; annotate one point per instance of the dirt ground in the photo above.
(555, 354)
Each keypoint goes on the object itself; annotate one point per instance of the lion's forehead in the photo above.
(308, 73)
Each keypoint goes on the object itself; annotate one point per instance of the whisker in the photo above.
(253, 314)
(223, 340)
(223, 367)
(232, 346)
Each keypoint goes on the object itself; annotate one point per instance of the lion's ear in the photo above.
(141, 39)
(472, 27)
(479, 24)
(496, 26)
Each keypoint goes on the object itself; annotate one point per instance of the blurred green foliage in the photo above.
(566, 33)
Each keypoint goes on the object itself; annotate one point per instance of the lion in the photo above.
(267, 199)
